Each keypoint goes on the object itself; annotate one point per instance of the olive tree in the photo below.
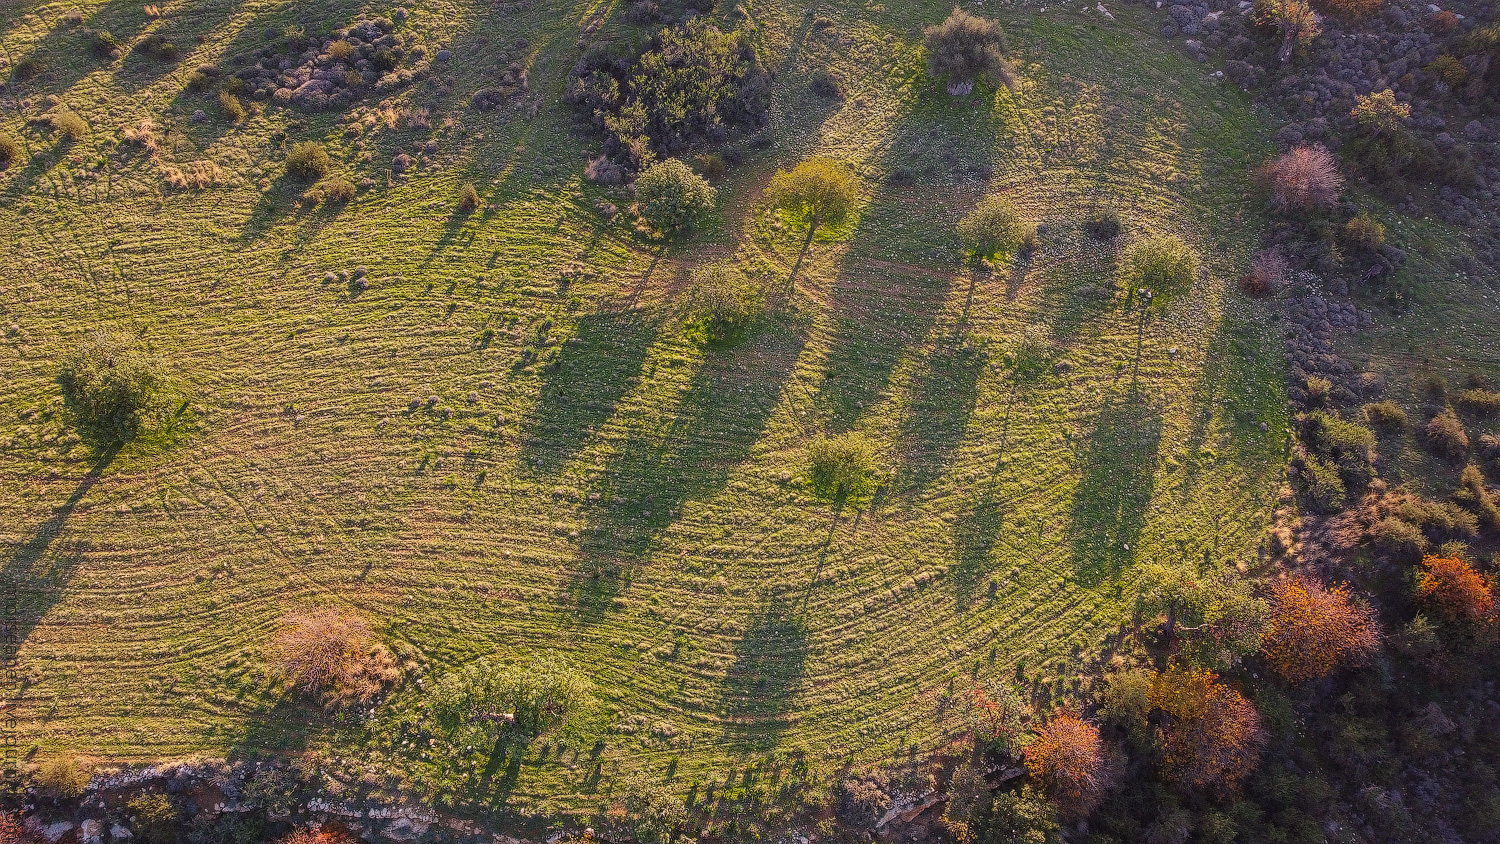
(820, 192)
(964, 48)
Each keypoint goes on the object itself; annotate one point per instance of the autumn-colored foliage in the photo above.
(1314, 630)
(1213, 738)
(1454, 590)
(1304, 178)
(317, 836)
(13, 831)
(1068, 758)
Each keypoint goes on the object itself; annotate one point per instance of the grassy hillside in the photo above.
(626, 497)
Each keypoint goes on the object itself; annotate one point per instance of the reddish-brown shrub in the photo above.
(1068, 758)
(1314, 630)
(1455, 591)
(13, 830)
(1444, 22)
(1212, 738)
(1267, 271)
(318, 836)
(1304, 178)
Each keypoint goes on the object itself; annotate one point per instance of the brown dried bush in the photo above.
(1267, 272)
(333, 656)
(1302, 179)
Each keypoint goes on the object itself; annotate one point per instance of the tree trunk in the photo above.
(960, 87)
(1285, 53)
(812, 228)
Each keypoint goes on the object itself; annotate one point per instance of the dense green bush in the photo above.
(692, 85)
(964, 49)
(485, 699)
(1479, 401)
(468, 199)
(156, 818)
(308, 161)
(1399, 538)
(231, 107)
(1446, 435)
(1386, 415)
(994, 229)
(670, 197)
(338, 190)
(817, 192)
(842, 467)
(62, 776)
(721, 300)
(69, 125)
(10, 151)
(110, 386)
(1364, 233)
(1323, 484)
(1163, 266)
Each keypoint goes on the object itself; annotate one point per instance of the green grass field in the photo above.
(629, 499)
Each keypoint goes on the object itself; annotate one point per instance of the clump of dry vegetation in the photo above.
(334, 657)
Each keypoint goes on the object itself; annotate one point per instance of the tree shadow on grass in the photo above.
(35, 577)
(1115, 489)
(974, 538)
(598, 365)
(943, 394)
(759, 689)
(721, 416)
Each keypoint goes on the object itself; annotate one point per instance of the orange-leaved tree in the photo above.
(1068, 758)
(318, 836)
(1314, 630)
(1212, 738)
(1455, 591)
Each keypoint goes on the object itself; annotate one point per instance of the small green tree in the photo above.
(965, 48)
(156, 818)
(110, 386)
(721, 300)
(1158, 268)
(819, 192)
(842, 467)
(487, 700)
(10, 151)
(994, 228)
(670, 197)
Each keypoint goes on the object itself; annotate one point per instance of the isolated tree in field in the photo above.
(671, 198)
(1068, 758)
(1159, 268)
(965, 48)
(488, 699)
(993, 228)
(721, 299)
(1453, 590)
(842, 467)
(308, 161)
(1294, 19)
(1302, 179)
(1313, 630)
(819, 193)
(1212, 736)
(111, 386)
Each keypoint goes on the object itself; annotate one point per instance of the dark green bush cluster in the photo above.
(995, 228)
(1159, 267)
(307, 161)
(1386, 415)
(156, 818)
(10, 151)
(157, 47)
(468, 199)
(1103, 224)
(1446, 435)
(110, 386)
(692, 85)
(69, 125)
(1338, 460)
(1474, 495)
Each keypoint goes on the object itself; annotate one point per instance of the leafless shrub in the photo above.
(1304, 178)
(333, 656)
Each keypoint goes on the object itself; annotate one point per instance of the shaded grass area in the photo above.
(590, 480)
